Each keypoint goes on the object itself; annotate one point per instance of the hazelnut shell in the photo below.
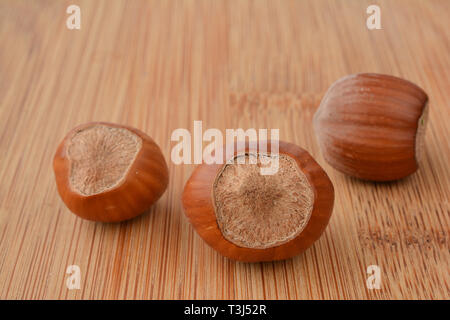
(144, 183)
(371, 126)
(199, 208)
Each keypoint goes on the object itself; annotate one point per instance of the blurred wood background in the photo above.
(160, 65)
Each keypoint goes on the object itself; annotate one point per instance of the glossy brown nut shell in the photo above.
(144, 183)
(199, 208)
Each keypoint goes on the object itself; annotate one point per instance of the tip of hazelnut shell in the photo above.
(371, 126)
(109, 172)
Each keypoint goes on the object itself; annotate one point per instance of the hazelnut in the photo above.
(251, 217)
(371, 126)
(108, 172)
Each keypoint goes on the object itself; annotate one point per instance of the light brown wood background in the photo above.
(160, 65)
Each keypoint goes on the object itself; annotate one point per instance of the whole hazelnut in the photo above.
(249, 216)
(108, 172)
(371, 126)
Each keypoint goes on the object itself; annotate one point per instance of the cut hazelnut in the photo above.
(108, 172)
(248, 216)
(371, 126)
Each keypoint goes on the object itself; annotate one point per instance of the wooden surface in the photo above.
(160, 65)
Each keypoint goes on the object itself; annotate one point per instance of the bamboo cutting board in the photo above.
(160, 65)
